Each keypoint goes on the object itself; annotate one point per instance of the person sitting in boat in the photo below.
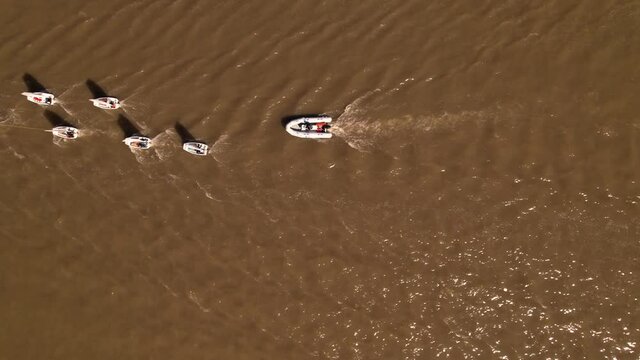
(70, 133)
(305, 126)
(320, 127)
(47, 100)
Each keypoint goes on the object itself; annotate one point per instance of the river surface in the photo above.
(480, 198)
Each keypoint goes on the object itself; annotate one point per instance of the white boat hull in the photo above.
(137, 142)
(107, 103)
(65, 132)
(196, 148)
(40, 98)
(310, 127)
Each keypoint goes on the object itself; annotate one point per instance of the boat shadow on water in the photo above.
(33, 85)
(128, 128)
(55, 119)
(96, 90)
(185, 135)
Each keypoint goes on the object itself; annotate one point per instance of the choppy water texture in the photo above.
(479, 201)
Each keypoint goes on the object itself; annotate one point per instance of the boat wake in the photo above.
(353, 127)
(366, 134)
(67, 105)
(145, 157)
(361, 125)
(163, 146)
(134, 107)
(368, 122)
(219, 148)
(10, 116)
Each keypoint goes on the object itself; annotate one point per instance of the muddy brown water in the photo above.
(479, 200)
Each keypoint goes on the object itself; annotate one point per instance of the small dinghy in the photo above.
(310, 127)
(107, 103)
(40, 98)
(137, 142)
(196, 148)
(65, 132)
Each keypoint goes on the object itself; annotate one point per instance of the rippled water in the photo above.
(479, 199)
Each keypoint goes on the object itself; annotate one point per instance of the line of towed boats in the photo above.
(306, 127)
(138, 142)
(134, 142)
(46, 99)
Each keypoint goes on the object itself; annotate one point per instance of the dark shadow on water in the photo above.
(96, 90)
(33, 85)
(285, 120)
(55, 119)
(127, 127)
(184, 134)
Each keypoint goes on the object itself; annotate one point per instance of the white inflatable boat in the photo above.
(40, 98)
(196, 148)
(317, 127)
(107, 103)
(65, 132)
(137, 142)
